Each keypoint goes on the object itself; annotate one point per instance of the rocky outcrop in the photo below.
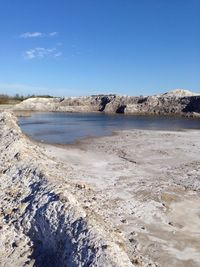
(42, 224)
(178, 102)
(166, 105)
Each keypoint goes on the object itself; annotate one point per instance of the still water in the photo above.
(66, 128)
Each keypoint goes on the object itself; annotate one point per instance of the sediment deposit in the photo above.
(131, 199)
(42, 223)
(177, 102)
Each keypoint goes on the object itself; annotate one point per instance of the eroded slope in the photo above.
(42, 224)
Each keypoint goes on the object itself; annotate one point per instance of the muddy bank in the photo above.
(131, 199)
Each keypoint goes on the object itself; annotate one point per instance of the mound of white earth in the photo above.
(180, 93)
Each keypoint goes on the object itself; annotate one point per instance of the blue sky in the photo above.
(83, 47)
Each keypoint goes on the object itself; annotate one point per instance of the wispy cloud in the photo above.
(26, 35)
(41, 52)
(31, 35)
(52, 34)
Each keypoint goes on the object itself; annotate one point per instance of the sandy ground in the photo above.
(5, 107)
(131, 199)
(145, 186)
(42, 223)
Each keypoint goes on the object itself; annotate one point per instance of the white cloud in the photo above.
(58, 54)
(52, 34)
(41, 52)
(26, 35)
(31, 35)
(30, 54)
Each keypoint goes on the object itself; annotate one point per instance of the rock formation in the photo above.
(177, 102)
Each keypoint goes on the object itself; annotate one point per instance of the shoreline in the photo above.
(132, 188)
(112, 132)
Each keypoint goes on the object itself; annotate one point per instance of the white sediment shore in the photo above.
(131, 199)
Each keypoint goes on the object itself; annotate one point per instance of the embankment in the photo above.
(178, 102)
(41, 222)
